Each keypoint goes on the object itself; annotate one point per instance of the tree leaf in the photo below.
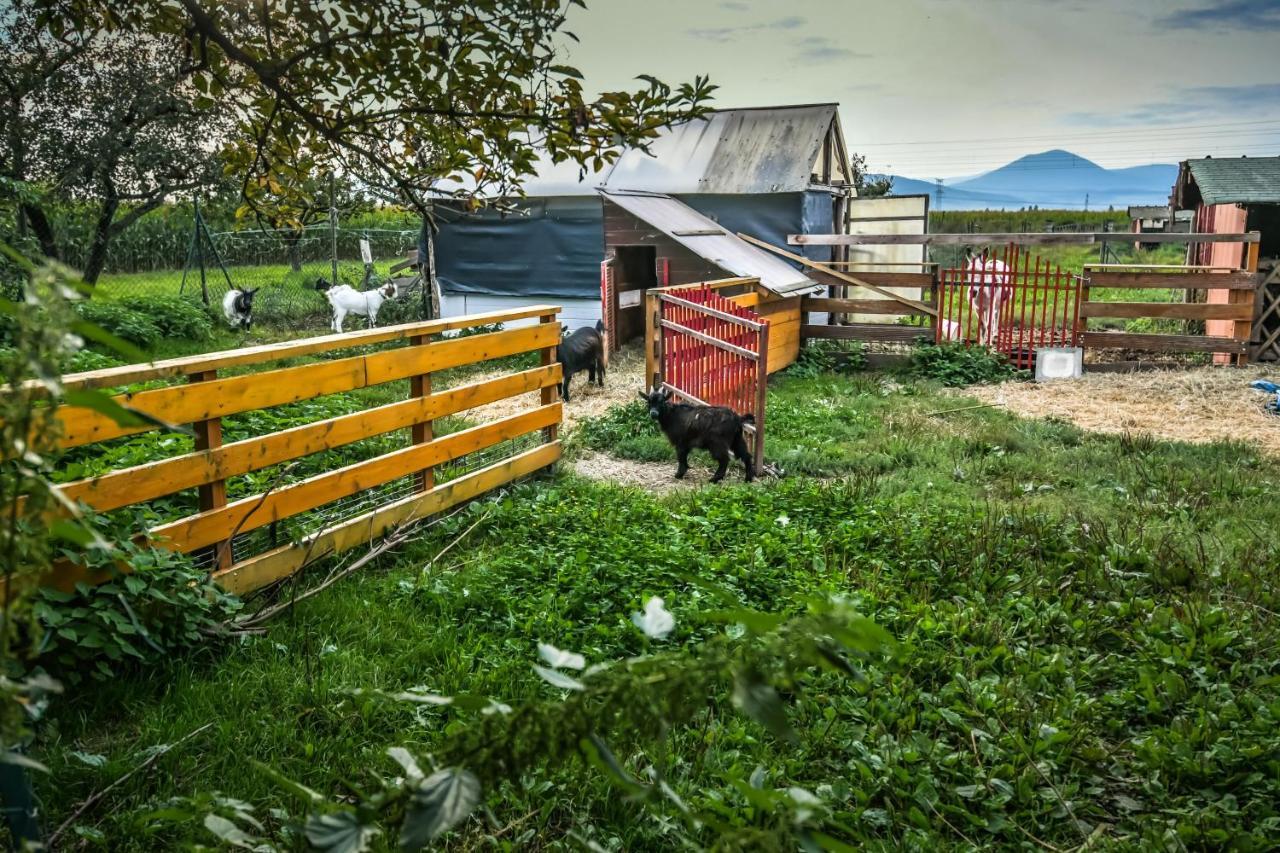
(339, 832)
(302, 792)
(441, 802)
(598, 754)
(558, 679)
(759, 701)
(412, 772)
(228, 832)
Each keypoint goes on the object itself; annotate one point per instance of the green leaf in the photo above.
(104, 404)
(229, 832)
(558, 679)
(832, 845)
(89, 758)
(339, 832)
(598, 754)
(94, 332)
(755, 621)
(442, 801)
(20, 760)
(412, 772)
(302, 792)
(759, 701)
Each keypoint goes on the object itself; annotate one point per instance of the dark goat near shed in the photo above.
(716, 429)
(583, 350)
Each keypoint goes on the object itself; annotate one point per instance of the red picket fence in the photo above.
(714, 352)
(1011, 302)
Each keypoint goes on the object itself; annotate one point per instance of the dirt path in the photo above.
(624, 377)
(1201, 404)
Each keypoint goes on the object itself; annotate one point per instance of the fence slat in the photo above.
(156, 479)
(256, 511)
(185, 404)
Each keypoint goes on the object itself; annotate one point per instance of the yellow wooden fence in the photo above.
(205, 397)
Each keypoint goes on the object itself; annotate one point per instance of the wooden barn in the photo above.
(1231, 195)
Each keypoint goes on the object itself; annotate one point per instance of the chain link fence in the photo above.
(285, 268)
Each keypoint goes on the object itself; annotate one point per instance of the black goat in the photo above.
(583, 349)
(716, 429)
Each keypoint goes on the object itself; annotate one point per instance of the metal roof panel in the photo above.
(707, 239)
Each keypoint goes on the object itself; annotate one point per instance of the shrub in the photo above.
(956, 365)
(163, 605)
(823, 356)
(123, 322)
(87, 359)
(176, 317)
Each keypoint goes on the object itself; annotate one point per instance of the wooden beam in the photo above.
(1167, 310)
(255, 511)
(152, 480)
(1023, 239)
(276, 565)
(1161, 343)
(708, 339)
(844, 277)
(887, 332)
(859, 306)
(1174, 281)
(185, 404)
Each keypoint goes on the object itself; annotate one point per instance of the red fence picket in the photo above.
(714, 352)
(1012, 303)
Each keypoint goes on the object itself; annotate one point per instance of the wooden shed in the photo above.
(654, 240)
(1234, 195)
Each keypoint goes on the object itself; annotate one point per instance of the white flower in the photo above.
(656, 621)
(560, 659)
(783, 521)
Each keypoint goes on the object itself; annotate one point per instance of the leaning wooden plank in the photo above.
(265, 569)
(888, 332)
(921, 280)
(206, 528)
(860, 306)
(1175, 281)
(114, 377)
(1161, 343)
(167, 476)
(184, 404)
(1033, 239)
(844, 277)
(1171, 310)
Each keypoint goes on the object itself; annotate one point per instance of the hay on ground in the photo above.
(1198, 405)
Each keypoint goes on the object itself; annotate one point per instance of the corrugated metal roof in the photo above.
(705, 238)
(765, 150)
(1148, 211)
(1239, 180)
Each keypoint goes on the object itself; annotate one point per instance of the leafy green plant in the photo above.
(123, 322)
(160, 606)
(175, 316)
(826, 356)
(956, 365)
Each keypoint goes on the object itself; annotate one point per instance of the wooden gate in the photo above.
(714, 353)
(1011, 302)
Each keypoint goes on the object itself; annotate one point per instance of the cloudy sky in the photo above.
(944, 88)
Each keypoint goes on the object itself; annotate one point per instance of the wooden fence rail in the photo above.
(207, 398)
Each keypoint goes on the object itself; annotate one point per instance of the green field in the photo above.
(1084, 652)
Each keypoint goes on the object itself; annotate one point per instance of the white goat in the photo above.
(345, 300)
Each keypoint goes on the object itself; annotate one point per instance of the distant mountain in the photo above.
(1050, 179)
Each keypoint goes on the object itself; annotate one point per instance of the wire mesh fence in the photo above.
(285, 269)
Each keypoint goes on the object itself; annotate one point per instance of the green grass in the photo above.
(1086, 628)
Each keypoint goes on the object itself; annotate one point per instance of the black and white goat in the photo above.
(345, 299)
(582, 350)
(716, 429)
(237, 307)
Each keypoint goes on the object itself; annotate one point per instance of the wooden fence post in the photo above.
(423, 431)
(552, 392)
(652, 341)
(212, 495)
(762, 387)
(1243, 329)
